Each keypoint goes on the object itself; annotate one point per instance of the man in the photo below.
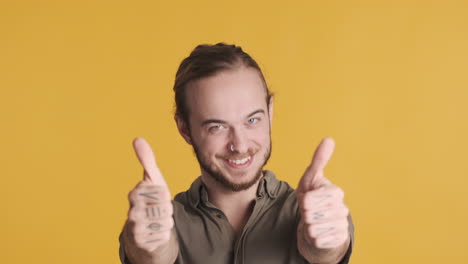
(235, 212)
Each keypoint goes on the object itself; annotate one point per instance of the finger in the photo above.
(146, 157)
(319, 230)
(154, 227)
(147, 194)
(158, 211)
(143, 212)
(313, 178)
(150, 193)
(333, 240)
(320, 198)
(153, 241)
(325, 215)
(157, 239)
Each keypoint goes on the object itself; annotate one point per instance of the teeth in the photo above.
(241, 161)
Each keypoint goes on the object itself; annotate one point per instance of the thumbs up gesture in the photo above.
(150, 219)
(324, 223)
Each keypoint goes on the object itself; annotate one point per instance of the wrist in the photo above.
(313, 254)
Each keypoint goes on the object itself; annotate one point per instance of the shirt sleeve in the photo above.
(122, 255)
(347, 256)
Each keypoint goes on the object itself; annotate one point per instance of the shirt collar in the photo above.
(268, 184)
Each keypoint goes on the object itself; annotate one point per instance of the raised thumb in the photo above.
(313, 177)
(145, 155)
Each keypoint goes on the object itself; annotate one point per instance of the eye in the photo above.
(215, 127)
(253, 120)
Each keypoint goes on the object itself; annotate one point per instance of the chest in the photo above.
(269, 236)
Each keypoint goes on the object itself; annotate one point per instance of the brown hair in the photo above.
(207, 60)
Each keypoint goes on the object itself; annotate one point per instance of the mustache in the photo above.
(238, 156)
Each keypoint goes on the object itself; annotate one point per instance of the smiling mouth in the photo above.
(239, 163)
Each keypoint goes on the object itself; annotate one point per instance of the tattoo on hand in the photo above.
(324, 197)
(154, 226)
(151, 213)
(324, 230)
(318, 215)
(150, 195)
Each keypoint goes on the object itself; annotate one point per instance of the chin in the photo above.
(247, 180)
(233, 178)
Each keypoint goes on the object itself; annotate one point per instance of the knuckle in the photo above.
(341, 193)
(341, 225)
(317, 242)
(171, 223)
(306, 201)
(131, 214)
(346, 224)
(135, 214)
(170, 209)
(139, 230)
(338, 191)
(342, 238)
(131, 195)
(346, 211)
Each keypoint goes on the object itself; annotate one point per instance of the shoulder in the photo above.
(275, 187)
(186, 204)
(191, 197)
(281, 195)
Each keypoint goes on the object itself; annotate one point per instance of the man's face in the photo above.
(230, 127)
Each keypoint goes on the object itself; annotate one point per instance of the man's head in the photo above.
(223, 109)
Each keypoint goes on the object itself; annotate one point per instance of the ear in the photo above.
(183, 129)
(270, 109)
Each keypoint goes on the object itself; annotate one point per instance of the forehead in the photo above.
(227, 95)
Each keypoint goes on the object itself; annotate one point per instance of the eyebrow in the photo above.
(219, 121)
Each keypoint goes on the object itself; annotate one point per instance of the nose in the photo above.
(238, 141)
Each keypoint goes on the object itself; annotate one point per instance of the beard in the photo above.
(222, 179)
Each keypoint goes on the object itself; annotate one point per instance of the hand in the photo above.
(323, 212)
(150, 215)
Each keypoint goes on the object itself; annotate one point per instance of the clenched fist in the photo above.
(324, 223)
(150, 219)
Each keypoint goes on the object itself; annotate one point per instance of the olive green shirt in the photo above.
(206, 236)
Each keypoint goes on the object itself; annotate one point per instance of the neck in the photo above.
(237, 206)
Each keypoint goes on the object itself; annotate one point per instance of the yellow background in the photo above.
(387, 79)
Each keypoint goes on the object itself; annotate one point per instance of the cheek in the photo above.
(262, 136)
(213, 145)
